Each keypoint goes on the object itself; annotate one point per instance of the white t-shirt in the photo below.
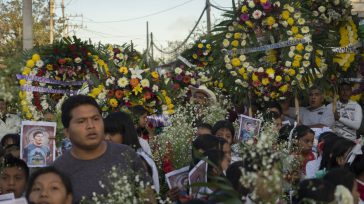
(321, 115)
(145, 146)
(11, 125)
(350, 119)
(312, 167)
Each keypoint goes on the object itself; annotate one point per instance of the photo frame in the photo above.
(178, 178)
(37, 143)
(197, 175)
(249, 128)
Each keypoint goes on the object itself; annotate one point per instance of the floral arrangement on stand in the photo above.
(201, 54)
(331, 11)
(57, 70)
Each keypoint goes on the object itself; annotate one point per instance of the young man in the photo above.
(348, 114)
(36, 153)
(91, 158)
(14, 176)
(317, 114)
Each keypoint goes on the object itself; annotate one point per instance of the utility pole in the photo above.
(208, 15)
(51, 25)
(151, 45)
(147, 50)
(64, 31)
(27, 25)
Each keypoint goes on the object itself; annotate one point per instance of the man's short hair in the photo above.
(72, 103)
(11, 161)
(315, 87)
(37, 133)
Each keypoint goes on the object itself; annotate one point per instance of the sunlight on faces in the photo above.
(13, 180)
(86, 128)
(49, 188)
(226, 134)
(305, 143)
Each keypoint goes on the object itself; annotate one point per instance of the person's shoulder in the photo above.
(62, 160)
(119, 148)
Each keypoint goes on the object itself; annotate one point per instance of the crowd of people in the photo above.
(326, 139)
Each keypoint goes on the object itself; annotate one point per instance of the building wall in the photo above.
(358, 7)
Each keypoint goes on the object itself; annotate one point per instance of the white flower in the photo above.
(243, 43)
(238, 81)
(226, 59)
(301, 21)
(306, 63)
(305, 29)
(226, 43)
(275, 25)
(193, 81)
(307, 56)
(315, 13)
(246, 64)
(233, 73)
(188, 73)
(228, 66)
(277, 4)
(102, 95)
(242, 58)
(257, 14)
(291, 9)
(308, 48)
(136, 73)
(78, 60)
(260, 69)
(297, 15)
(231, 28)
(145, 83)
(291, 54)
(155, 88)
(289, 32)
(288, 64)
(244, 36)
(178, 70)
(110, 81)
(284, 24)
(250, 69)
(228, 35)
(343, 195)
(322, 9)
(39, 63)
(44, 104)
(123, 82)
(251, 4)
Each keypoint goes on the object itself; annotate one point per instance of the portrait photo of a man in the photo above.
(37, 143)
(249, 128)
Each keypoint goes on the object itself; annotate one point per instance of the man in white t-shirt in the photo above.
(316, 115)
(348, 115)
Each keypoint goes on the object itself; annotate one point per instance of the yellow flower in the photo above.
(273, 95)
(137, 89)
(245, 76)
(194, 56)
(255, 77)
(30, 63)
(26, 71)
(300, 47)
(221, 85)
(249, 24)
(237, 35)
(200, 45)
(298, 36)
(22, 82)
(235, 43)
(113, 103)
(96, 91)
(291, 72)
(208, 46)
(35, 57)
(25, 109)
(22, 95)
(49, 67)
(123, 70)
(285, 14)
(298, 57)
(155, 75)
(278, 78)
(263, 1)
(290, 21)
(168, 100)
(235, 62)
(283, 88)
(241, 71)
(294, 29)
(265, 81)
(287, 78)
(28, 115)
(271, 21)
(296, 63)
(356, 97)
(244, 9)
(270, 71)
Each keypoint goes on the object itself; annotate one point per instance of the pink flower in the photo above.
(244, 17)
(257, 14)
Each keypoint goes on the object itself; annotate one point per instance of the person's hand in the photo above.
(173, 193)
(336, 115)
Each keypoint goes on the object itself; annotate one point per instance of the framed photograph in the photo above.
(37, 145)
(178, 178)
(197, 175)
(249, 128)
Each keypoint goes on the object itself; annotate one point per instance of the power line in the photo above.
(148, 15)
(218, 8)
(109, 35)
(184, 42)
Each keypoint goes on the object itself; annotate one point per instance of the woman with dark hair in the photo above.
(325, 141)
(224, 129)
(315, 190)
(48, 185)
(339, 153)
(10, 139)
(139, 115)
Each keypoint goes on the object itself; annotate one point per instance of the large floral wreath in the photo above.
(50, 72)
